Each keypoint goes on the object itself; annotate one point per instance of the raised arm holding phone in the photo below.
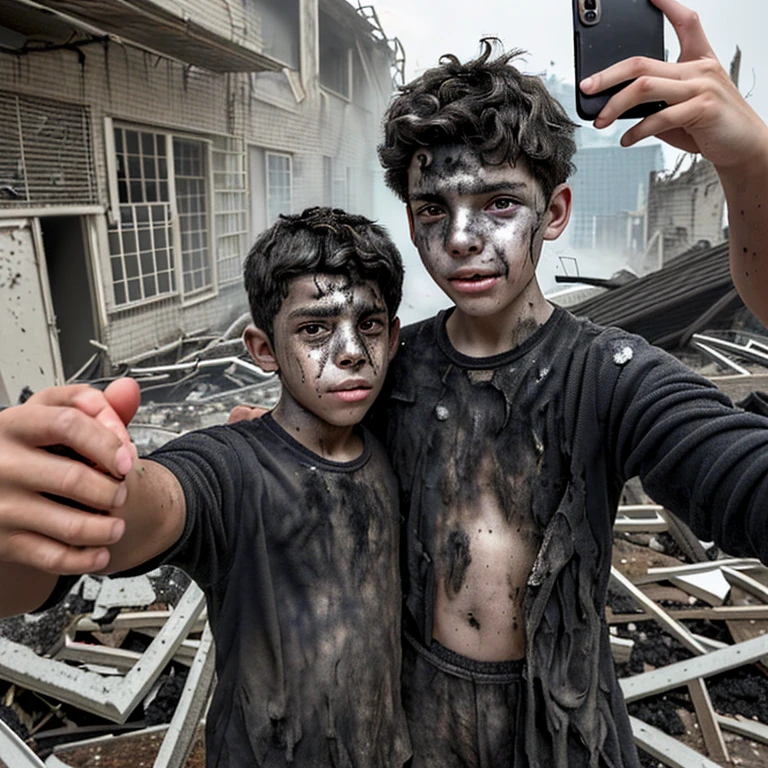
(707, 115)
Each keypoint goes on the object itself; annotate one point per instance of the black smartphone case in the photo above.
(626, 28)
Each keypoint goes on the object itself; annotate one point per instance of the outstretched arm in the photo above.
(41, 537)
(705, 114)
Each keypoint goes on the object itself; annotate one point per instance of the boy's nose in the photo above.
(464, 239)
(351, 353)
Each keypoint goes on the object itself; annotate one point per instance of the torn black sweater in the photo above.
(565, 419)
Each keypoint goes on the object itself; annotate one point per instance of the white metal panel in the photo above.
(27, 357)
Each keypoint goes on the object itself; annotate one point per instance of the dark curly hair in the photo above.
(486, 104)
(319, 240)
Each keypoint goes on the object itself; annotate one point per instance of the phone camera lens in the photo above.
(590, 16)
(590, 5)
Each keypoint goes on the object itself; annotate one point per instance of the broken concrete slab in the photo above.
(111, 698)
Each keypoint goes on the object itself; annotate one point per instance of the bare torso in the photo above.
(484, 560)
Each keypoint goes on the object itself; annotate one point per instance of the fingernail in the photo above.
(123, 460)
(120, 496)
(586, 83)
(102, 560)
(118, 528)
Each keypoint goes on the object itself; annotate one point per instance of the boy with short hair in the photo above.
(289, 524)
(512, 425)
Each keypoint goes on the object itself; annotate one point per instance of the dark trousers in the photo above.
(461, 713)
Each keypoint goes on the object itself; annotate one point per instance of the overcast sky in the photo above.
(429, 28)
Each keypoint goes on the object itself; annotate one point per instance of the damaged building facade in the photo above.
(145, 143)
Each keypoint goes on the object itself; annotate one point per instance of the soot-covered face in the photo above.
(479, 228)
(332, 341)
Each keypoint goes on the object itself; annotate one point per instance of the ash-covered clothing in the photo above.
(298, 560)
(461, 712)
(557, 425)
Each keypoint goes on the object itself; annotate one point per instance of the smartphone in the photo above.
(606, 32)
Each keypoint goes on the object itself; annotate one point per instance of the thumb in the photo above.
(125, 397)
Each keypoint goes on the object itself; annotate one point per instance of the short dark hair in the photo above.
(319, 240)
(486, 104)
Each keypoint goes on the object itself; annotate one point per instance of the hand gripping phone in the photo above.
(606, 32)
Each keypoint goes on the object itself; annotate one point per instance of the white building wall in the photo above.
(133, 86)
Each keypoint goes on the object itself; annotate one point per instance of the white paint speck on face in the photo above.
(623, 356)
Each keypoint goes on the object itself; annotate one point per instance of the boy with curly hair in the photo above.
(512, 425)
(289, 524)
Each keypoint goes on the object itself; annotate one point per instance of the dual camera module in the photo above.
(589, 11)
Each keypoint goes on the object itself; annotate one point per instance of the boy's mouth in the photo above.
(352, 392)
(473, 282)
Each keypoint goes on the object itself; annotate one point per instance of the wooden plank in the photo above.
(750, 728)
(658, 592)
(713, 738)
(667, 749)
(741, 629)
(621, 648)
(661, 573)
(717, 613)
(705, 714)
(182, 730)
(677, 630)
(641, 525)
(682, 672)
(747, 583)
(640, 517)
(639, 510)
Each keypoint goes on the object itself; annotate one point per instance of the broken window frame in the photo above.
(335, 57)
(47, 157)
(280, 20)
(169, 277)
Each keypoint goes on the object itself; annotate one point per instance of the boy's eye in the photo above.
(503, 204)
(371, 325)
(430, 211)
(311, 329)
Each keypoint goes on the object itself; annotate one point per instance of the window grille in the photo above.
(140, 248)
(279, 185)
(45, 153)
(161, 203)
(230, 206)
(192, 204)
(140, 242)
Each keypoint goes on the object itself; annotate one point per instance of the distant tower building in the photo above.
(610, 185)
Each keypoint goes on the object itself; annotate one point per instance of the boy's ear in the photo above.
(559, 211)
(260, 347)
(409, 212)
(394, 337)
